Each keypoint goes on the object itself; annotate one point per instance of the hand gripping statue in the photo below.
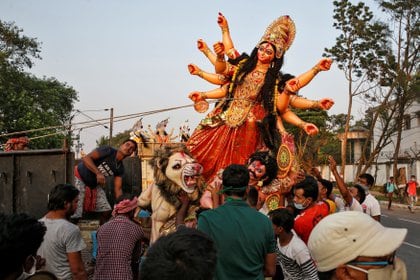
(254, 98)
(176, 191)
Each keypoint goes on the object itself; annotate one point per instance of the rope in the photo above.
(99, 122)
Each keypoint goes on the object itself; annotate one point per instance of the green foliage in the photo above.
(336, 123)
(362, 47)
(28, 102)
(311, 149)
(16, 49)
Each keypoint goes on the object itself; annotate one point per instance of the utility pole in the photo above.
(111, 123)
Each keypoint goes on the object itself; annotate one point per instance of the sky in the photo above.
(132, 55)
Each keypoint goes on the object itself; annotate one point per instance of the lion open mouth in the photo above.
(190, 174)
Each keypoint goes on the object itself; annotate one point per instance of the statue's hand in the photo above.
(221, 21)
(326, 103)
(201, 45)
(310, 129)
(193, 69)
(324, 64)
(195, 96)
(292, 85)
(219, 48)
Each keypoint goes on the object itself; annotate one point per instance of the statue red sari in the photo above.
(254, 99)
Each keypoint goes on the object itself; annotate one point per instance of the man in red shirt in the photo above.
(411, 191)
(305, 200)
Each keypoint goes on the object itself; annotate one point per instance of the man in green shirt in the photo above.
(244, 238)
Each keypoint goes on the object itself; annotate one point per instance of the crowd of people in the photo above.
(309, 238)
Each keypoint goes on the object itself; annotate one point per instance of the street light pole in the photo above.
(111, 123)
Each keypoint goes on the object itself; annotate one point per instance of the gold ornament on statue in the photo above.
(201, 106)
(281, 34)
(273, 201)
(284, 160)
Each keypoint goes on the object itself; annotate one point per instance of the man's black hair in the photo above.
(186, 254)
(282, 218)
(60, 195)
(20, 237)
(328, 185)
(360, 192)
(309, 186)
(369, 179)
(235, 176)
(132, 141)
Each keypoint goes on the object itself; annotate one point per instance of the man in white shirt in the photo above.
(351, 198)
(371, 204)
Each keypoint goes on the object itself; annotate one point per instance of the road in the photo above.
(410, 249)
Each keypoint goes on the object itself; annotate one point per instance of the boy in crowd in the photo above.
(293, 256)
(352, 197)
(371, 204)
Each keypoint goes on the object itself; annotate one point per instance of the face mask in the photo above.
(391, 272)
(31, 272)
(364, 187)
(299, 206)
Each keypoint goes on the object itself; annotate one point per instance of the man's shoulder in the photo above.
(297, 243)
(121, 224)
(371, 199)
(61, 225)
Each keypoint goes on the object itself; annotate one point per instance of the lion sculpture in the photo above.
(174, 171)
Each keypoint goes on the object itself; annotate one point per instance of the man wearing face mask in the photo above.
(311, 212)
(351, 245)
(20, 238)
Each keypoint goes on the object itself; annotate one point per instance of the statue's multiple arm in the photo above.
(212, 94)
(216, 79)
(202, 46)
(285, 99)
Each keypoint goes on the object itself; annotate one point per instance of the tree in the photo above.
(361, 51)
(404, 16)
(29, 102)
(16, 49)
(337, 122)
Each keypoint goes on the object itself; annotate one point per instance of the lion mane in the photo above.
(169, 189)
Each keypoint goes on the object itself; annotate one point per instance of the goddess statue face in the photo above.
(265, 53)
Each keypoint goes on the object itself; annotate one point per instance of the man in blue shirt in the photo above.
(91, 172)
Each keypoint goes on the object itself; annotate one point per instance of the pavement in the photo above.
(383, 200)
(398, 205)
